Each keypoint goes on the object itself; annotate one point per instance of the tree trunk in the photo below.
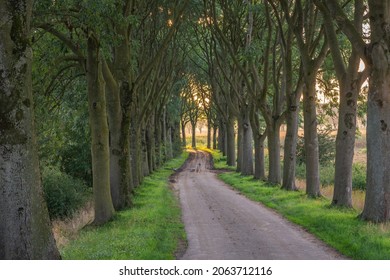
(290, 145)
(259, 156)
(119, 123)
(208, 133)
(247, 146)
(311, 137)
(215, 129)
(25, 229)
(221, 137)
(183, 134)
(377, 203)
(193, 135)
(169, 143)
(345, 144)
(230, 143)
(274, 153)
(240, 147)
(150, 144)
(104, 209)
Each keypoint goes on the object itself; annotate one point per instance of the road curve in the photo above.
(222, 224)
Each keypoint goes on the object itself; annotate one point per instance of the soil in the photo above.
(222, 224)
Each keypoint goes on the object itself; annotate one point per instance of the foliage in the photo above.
(327, 175)
(63, 194)
(359, 179)
(327, 147)
(360, 240)
(152, 229)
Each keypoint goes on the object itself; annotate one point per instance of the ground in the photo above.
(222, 224)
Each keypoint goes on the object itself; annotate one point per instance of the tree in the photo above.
(313, 49)
(350, 82)
(25, 230)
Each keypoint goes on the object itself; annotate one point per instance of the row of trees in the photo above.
(127, 58)
(263, 59)
(144, 66)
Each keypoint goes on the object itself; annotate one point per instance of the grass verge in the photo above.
(150, 230)
(340, 228)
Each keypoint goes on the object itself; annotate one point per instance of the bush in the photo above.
(326, 145)
(63, 193)
(359, 176)
(327, 175)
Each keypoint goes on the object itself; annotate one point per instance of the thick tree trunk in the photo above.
(25, 229)
(345, 144)
(118, 120)
(221, 145)
(377, 203)
(259, 156)
(247, 146)
(104, 209)
(311, 137)
(274, 153)
(290, 146)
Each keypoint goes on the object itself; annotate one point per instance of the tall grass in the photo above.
(151, 229)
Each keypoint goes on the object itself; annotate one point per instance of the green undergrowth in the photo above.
(338, 227)
(151, 229)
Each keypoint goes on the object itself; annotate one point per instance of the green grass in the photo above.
(340, 228)
(151, 229)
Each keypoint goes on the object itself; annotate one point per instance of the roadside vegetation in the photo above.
(338, 227)
(151, 229)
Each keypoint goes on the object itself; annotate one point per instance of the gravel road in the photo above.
(222, 224)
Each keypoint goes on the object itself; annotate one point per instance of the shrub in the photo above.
(326, 145)
(359, 176)
(63, 193)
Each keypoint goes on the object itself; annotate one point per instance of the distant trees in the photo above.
(263, 55)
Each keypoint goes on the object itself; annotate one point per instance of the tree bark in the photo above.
(183, 134)
(311, 137)
(230, 143)
(290, 145)
(246, 144)
(350, 81)
(209, 133)
(259, 156)
(25, 229)
(274, 153)
(377, 203)
(215, 131)
(193, 135)
(104, 209)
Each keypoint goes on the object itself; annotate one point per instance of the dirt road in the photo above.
(222, 224)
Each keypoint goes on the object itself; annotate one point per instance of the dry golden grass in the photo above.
(67, 229)
(327, 191)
